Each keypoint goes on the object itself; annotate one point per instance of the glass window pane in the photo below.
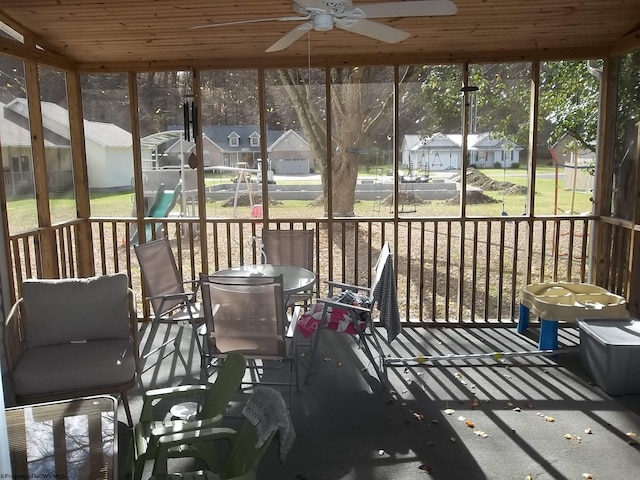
(430, 126)
(626, 147)
(230, 120)
(296, 126)
(362, 118)
(17, 158)
(567, 128)
(109, 150)
(498, 139)
(57, 144)
(165, 151)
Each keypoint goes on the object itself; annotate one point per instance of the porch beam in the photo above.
(83, 239)
(602, 232)
(466, 118)
(202, 197)
(531, 162)
(328, 188)
(633, 273)
(26, 53)
(328, 62)
(137, 156)
(48, 250)
(7, 295)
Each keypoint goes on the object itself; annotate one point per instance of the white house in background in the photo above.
(227, 145)
(443, 152)
(290, 154)
(108, 148)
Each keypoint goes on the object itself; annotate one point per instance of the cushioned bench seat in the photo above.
(72, 337)
(72, 367)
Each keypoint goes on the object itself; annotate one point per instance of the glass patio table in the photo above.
(72, 439)
(294, 279)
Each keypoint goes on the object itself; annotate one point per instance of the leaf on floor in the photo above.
(549, 419)
(426, 468)
(449, 411)
(419, 416)
(470, 424)
(573, 438)
(588, 476)
(588, 431)
(480, 433)
(475, 403)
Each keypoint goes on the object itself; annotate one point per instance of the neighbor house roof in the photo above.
(475, 141)
(56, 119)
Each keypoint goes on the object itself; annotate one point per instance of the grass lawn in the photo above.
(23, 216)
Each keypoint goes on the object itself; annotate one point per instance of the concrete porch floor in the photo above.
(350, 428)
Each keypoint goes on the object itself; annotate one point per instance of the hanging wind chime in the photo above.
(189, 111)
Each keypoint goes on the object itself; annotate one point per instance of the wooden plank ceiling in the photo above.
(147, 34)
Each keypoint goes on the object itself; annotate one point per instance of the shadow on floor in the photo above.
(467, 419)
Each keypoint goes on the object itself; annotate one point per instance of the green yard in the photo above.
(22, 213)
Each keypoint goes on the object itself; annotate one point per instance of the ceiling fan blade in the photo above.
(290, 37)
(421, 8)
(374, 30)
(256, 20)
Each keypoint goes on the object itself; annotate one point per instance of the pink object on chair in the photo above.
(336, 318)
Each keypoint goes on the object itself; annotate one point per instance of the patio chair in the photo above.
(248, 315)
(265, 418)
(166, 293)
(215, 400)
(356, 319)
(290, 247)
(72, 337)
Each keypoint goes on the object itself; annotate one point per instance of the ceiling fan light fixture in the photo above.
(323, 22)
(325, 15)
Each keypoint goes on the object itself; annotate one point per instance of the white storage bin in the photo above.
(610, 352)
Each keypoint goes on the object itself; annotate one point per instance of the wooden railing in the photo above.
(449, 270)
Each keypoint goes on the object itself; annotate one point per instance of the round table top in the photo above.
(294, 279)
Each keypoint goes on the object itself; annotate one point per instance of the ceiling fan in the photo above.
(323, 15)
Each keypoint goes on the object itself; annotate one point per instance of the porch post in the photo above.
(202, 198)
(602, 232)
(48, 249)
(83, 238)
(137, 156)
